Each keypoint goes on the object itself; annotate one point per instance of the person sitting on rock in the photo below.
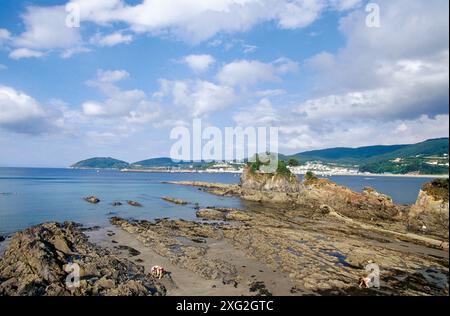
(365, 282)
(157, 271)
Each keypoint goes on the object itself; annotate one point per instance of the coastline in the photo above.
(349, 174)
(256, 249)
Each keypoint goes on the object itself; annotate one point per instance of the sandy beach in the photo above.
(183, 282)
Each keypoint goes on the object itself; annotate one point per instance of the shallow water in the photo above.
(31, 196)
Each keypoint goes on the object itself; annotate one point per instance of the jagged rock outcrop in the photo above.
(2, 238)
(272, 187)
(430, 213)
(36, 260)
(368, 205)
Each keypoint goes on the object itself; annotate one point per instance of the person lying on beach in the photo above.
(157, 271)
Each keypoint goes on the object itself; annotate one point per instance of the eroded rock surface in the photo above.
(36, 260)
(321, 253)
(430, 213)
(183, 243)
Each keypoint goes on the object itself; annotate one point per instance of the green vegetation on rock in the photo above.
(437, 188)
(258, 165)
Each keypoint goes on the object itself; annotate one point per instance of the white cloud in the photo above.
(126, 106)
(111, 39)
(69, 52)
(25, 53)
(196, 97)
(190, 20)
(251, 72)
(111, 75)
(92, 108)
(244, 72)
(197, 21)
(199, 63)
(262, 114)
(380, 88)
(45, 29)
(21, 113)
(285, 65)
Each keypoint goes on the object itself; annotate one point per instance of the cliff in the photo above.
(430, 213)
(272, 187)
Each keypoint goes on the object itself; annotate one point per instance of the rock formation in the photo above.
(174, 200)
(92, 199)
(270, 187)
(285, 188)
(36, 263)
(134, 203)
(430, 213)
(368, 205)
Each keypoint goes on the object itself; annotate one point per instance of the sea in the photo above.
(30, 196)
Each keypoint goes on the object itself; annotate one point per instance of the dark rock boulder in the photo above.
(39, 259)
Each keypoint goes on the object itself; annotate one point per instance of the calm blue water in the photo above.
(32, 196)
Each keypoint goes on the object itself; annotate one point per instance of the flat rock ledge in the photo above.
(36, 260)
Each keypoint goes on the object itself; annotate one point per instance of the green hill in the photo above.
(346, 155)
(101, 163)
(428, 157)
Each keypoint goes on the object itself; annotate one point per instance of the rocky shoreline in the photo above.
(291, 238)
(38, 259)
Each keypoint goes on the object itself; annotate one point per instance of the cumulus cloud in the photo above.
(381, 87)
(123, 105)
(250, 72)
(199, 63)
(45, 29)
(197, 21)
(197, 97)
(21, 113)
(190, 20)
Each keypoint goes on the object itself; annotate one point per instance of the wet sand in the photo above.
(184, 282)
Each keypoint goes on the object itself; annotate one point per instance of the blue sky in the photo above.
(133, 70)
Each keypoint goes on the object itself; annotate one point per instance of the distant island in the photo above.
(425, 158)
